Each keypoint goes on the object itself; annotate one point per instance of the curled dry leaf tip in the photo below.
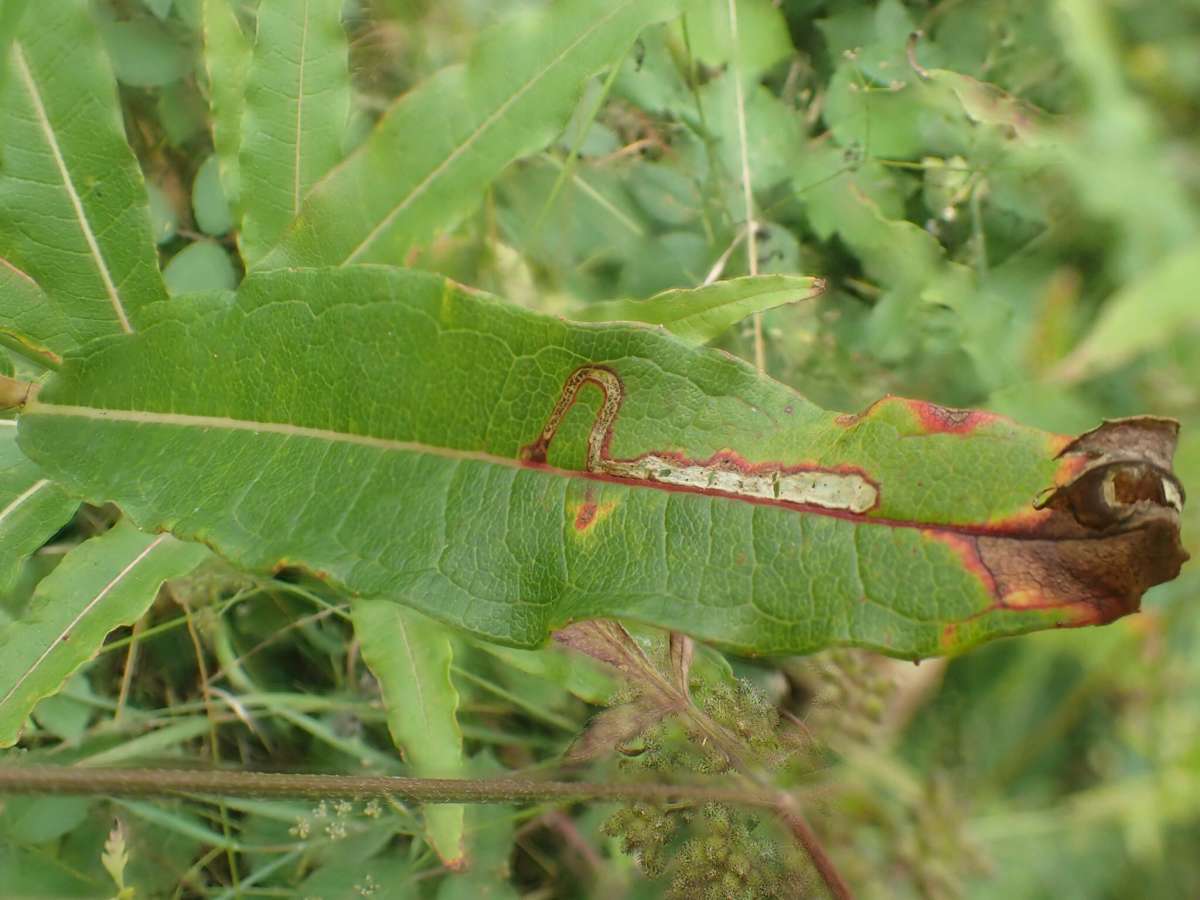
(13, 392)
(1112, 524)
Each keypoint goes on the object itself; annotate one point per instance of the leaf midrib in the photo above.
(35, 407)
(296, 197)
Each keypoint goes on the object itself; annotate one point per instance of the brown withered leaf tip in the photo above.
(1113, 528)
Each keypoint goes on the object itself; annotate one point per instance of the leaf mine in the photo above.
(724, 473)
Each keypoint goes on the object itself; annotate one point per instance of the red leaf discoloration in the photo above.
(587, 512)
(948, 642)
(937, 419)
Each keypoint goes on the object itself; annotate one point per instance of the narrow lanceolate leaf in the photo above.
(987, 104)
(73, 209)
(509, 473)
(410, 656)
(102, 584)
(227, 57)
(32, 508)
(297, 103)
(410, 180)
(1124, 329)
(700, 314)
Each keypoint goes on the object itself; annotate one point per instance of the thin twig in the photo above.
(760, 351)
(808, 839)
(130, 665)
(39, 779)
(214, 745)
(718, 268)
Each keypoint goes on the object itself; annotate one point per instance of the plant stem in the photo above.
(39, 779)
(808, 839)
(760, 352)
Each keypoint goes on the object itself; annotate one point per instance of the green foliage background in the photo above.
(1045, 272)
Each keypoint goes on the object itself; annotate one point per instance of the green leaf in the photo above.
(989, 105)
(578, 675)
(183, 112)
(762, 36)
(410, 180)
(874, 104)
(410, 656)
(190, 13)
(73, 209)
(24, 873)
(102, 584)
(832, 191)
(145, 53)
(36, 820)
(201, 266)
(903, 259)
(773, 131)
(208, 200)
(666, 194)
(592, 220)
(32, 508)
(460, 460)
(66, 714)
(160, 8)
(227, 57)
(297, 106)
(1126, 328)
(700, 314)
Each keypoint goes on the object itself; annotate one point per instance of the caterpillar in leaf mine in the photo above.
(725, 473)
